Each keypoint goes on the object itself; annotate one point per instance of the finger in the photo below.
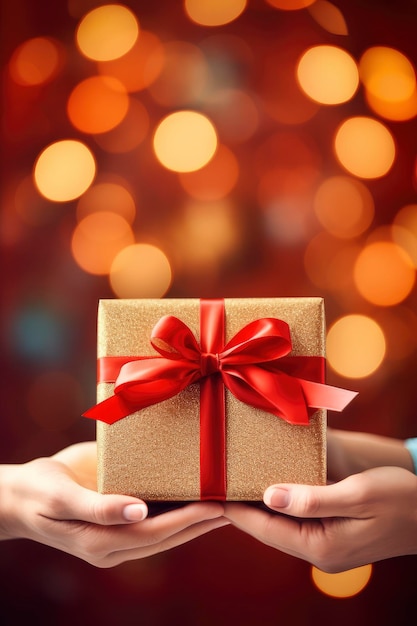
(310, 540)
(158, 529)
(173, 541)
(280, 532)
(106, 545)
(109, 507)
(247, 518)
(260, 524)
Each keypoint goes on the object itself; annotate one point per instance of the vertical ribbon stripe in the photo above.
(212, 403)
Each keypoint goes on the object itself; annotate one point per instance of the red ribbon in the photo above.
(254, 365)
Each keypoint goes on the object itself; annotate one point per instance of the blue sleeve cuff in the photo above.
(411, 445)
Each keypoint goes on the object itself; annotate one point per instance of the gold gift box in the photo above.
(154, 453)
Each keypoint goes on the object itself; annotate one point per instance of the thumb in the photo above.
(311, 500)
(360, 495)
(78, 503)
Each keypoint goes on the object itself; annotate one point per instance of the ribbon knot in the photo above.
(209, 363)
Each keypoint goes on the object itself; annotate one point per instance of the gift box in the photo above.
(211, 399)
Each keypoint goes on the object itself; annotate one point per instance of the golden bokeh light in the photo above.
(355, 346)
(185, 141)
(64, 170)
(129, 133)
(215, 180)
(107, 32)
(97, 104)
(214, 12)
(108, 197)
(387, 74)
(398, 111)
(329, 17)
(97, 239)
(146, 56)
(342, 584)
(184, 77)
(344, 206)
(406, 240)
(365, 147)
(140, 271)
(36, 61)
(206, 234)
(384, 274)
(328, 74)
(390, 83)
(290, 5)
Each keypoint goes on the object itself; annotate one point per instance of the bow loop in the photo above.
(260, 341)
(174, 340)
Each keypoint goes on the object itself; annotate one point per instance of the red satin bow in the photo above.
(254, 365)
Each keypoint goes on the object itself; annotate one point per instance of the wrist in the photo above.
(354, 452)
(7, 517)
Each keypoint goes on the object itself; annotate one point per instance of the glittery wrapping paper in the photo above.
(154, 453)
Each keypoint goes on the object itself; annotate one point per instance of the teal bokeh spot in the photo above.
(40, 334)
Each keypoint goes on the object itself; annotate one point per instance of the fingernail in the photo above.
(277, 497)
(135, 512)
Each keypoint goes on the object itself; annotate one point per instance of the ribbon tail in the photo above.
(321, 396)
(279, 394)
(110, 410)
(141, 383)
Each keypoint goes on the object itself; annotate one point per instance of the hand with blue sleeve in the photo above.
(368, 514)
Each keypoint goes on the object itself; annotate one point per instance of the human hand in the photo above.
(364, 518)
(53, 501)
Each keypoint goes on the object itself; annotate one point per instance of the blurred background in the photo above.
(205, 148)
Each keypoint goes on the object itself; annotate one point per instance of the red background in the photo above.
(225, 577)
